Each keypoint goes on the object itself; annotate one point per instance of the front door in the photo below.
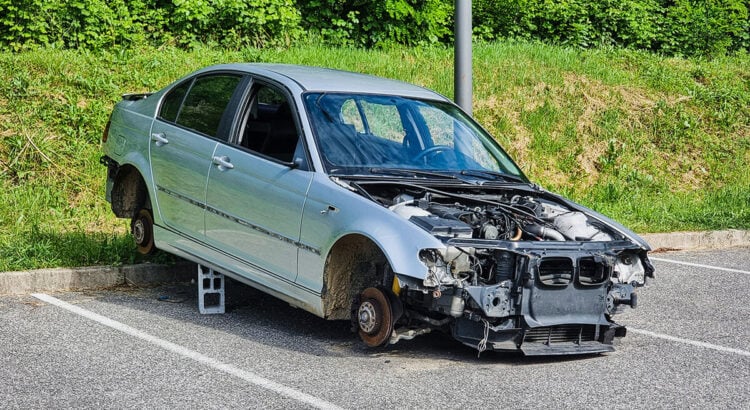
(254, 210)
(256, 189)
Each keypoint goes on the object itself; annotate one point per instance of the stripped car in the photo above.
(366, 199)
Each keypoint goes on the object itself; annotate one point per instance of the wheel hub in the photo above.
(142, 228)
(374, 317)
(139, 231)
(367, 317)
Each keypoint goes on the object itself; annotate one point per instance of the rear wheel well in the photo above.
(129, 192)
(354, 263)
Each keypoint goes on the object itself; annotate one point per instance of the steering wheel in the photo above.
(431, 151)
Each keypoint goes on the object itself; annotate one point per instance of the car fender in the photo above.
(130, 146)
(333, 212)
(632, 236)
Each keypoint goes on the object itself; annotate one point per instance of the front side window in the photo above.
(203, 107)
(268, 125)
(356, 132)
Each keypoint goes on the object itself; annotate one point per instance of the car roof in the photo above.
(329, 80)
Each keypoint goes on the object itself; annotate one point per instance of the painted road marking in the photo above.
(690, 342)
(192, 354)
(698, 265)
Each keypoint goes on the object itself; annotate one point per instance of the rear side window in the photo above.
(203, 106)
(172, 102)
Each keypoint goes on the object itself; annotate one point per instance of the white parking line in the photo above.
(192, 354)
(690, 342)
(698, 265)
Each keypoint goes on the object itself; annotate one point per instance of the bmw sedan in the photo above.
(371, 200)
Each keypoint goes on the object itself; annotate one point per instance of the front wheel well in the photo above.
(129, 192)
(354, 263)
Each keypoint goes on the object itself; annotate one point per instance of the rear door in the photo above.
(192, 119)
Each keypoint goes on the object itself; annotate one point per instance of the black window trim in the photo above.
(243, 106)
(231, 108)
(182, 101)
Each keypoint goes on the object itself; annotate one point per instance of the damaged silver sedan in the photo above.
(366, 199)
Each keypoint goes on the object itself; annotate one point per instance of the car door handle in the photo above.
(223, 163)
(159, 138)
(329, 208)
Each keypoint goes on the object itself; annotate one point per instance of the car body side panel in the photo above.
(129, 137)
(180, 168)
(332, 212)
(240, 270)
(254, 210)
(128, 143)
(612, 223)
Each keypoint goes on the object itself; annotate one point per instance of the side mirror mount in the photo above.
(296, 163)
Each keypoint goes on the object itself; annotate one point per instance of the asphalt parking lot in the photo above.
(687, 347)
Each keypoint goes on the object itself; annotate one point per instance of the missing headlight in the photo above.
(437, 269)
(592, 271)
(629, 270)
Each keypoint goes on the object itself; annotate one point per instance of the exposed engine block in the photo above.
(500, 218)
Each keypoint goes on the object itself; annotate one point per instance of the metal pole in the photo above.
(462, 78)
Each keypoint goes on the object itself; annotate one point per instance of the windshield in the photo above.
(362, 132)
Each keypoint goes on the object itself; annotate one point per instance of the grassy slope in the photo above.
(659, 144)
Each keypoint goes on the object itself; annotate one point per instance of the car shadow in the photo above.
(256, 316)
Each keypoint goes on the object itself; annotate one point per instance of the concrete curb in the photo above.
(697, 240)
(94, 277)
(46, 280)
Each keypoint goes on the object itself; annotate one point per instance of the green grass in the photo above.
(659, 144)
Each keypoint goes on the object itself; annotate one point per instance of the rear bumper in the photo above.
(112, 167)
